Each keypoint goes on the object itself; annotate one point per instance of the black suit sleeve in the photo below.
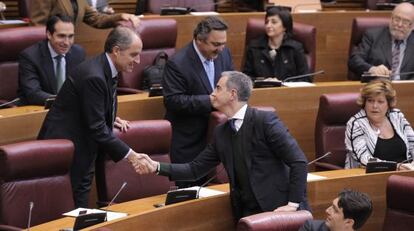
(29, 81)
(285, 147)
(177, 96)
(94, 90)
(358, 62)
(194, 170)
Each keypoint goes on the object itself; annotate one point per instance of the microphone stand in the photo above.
(113, 199)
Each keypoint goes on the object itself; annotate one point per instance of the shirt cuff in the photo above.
(129, 153)
(293, 204)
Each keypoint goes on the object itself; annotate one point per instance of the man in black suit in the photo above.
(85, 110)
(189, 78)
(387, 51)
(349, 211)
(266, 167)
(44, 66)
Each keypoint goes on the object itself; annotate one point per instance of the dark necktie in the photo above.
(114, 99)
(395, 58)
(60, 72)
(233, 125)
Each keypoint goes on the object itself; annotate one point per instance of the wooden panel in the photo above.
(214, 213)
(333, 36)
(297, 107)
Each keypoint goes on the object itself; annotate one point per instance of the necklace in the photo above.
(376, 129)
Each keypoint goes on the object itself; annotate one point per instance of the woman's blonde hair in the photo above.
(375, 88)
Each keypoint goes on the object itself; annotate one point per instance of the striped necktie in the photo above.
(210, 72)
(60, 72)
(395, 58)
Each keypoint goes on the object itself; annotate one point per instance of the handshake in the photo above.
(142, 163)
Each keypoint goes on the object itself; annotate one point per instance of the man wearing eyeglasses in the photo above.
(189, 79)
(387, 51)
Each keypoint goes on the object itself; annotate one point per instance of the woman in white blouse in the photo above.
(378, 130)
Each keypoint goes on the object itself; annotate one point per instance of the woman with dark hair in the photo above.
(276, 54)
(378, 130)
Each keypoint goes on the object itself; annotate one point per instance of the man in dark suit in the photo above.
(387, 51)
(189, 78)
(349, 211)
(266, 167)
(44, 66)
(85, 110)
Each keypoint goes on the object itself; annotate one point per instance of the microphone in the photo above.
(319, 158)
(208, 181)
(263, 83)
(304, 75)
(30, 214)
(2, 9)
(10, 102)
(113, 199)
(175, 10)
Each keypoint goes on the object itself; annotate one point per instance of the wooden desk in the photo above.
(297, 107)
(214, 213)
(333, 30)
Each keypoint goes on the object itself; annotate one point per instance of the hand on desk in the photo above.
(123, 125)
(380, 70)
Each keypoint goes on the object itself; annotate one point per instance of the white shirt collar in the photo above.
(202, 58)
(114, 71)
(240, 113)
(52, 51)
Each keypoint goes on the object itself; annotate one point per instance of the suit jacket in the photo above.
(187, 101)
(314, 225)
(37, 79)
(276, 164)
(375, 49)
(290, 60)
(82, 113)
(41, 10)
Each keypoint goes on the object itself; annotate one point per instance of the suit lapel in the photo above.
(108, 78)
(199, 69)
(386, 48)
(249, 131)
(228, 150)
(408, 53)
(48, 66)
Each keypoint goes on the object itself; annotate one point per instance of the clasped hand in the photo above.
(142, 163)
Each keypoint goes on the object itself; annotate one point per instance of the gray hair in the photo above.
(208, 24)
(121, 37)
(241, 82)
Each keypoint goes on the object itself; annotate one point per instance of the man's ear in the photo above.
(48, 35)
(349, 223)
(116, 50)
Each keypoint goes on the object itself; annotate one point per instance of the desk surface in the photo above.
(214, 213)
(296, 106)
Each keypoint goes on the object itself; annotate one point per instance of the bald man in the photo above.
(387, 51)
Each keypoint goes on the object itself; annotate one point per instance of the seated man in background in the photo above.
(349, 211)
(44, 66)
(80, 11)
(387, 51)
(266, 167)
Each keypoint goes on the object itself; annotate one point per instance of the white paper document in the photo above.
(110, 215)
(12, 22)
(205, 13)
(298, 84)
(313, 177)
(206, 192)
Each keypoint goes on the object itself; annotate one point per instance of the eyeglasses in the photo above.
(398, 20)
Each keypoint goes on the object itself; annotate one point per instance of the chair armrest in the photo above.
(322, 166)
(9, 228)
(274, 221)
(127, 91)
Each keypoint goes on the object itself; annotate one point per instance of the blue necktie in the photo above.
(210, 72)
(232, 123)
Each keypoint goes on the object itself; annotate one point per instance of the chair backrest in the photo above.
(280, 221)
(157, 35)
(152, 137)
(35, 171)
(359, 26)
(334, 112)
(400, 204)
(217, 118)
(12, 42)
(154, 6)
(306, 34)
